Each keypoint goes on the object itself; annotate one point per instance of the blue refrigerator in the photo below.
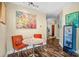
(69, 41)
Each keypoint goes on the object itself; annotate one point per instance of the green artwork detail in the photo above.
(72, 19)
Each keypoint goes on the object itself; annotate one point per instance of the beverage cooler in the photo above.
(69, 41)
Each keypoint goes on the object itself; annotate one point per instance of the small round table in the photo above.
(33, 42)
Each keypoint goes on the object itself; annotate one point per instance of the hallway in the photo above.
(48, 29)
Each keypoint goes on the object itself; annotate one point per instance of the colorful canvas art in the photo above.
(25, 20)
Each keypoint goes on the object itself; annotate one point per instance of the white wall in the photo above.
(2, 40)
(61, 23)
(50, 22)
(11, 23)
(77, 41)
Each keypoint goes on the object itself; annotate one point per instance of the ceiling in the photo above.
(50, 8)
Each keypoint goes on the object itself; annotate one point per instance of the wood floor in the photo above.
(44, 51)
(52, 49)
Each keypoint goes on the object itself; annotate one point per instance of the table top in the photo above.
(32, 41)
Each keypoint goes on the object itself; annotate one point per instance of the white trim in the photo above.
(61, 44)
(77, 51)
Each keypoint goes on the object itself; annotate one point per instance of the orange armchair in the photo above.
(17, 42)
(38, 36)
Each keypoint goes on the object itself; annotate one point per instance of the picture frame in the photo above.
(2, 12)
(25, 20)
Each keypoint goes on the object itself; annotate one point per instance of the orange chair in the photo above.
(38, 36)
(17, 42)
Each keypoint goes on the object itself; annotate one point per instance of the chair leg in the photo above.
(22, 52)
(33, 51)
(42, 46)
(26, 48)
(18, 54)
(14, 51)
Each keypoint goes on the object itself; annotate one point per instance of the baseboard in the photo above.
(61, 44)
(77, 51)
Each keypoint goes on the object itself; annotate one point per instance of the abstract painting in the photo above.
(73, 19)
(25, 20)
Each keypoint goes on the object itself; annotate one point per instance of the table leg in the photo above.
(33, 50)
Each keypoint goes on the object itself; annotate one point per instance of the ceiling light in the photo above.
(32, 4)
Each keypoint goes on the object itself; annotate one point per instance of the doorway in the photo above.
(53, 30)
